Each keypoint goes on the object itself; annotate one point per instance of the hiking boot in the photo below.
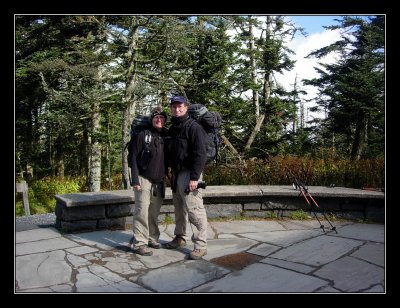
(197, 254)
(142, 250)
(154, 245)
(177, 242)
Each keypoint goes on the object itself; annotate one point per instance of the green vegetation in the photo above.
(41, 194)
(80, 81)
(168, 220)
(299, 215)
(314, 172)
(271, 215)
(235, 218)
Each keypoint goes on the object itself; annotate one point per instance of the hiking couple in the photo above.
(185, 153)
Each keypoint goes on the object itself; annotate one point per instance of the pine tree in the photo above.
(353, 88)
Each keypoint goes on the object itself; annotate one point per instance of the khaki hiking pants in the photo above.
(145, 213)
(190, 206)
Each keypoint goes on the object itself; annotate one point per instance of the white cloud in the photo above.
(304, 68)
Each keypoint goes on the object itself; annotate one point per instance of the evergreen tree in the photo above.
(353, 88)
(264, 52)
(67, 61)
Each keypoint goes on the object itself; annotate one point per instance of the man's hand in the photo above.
(136, 187)
(192, 185)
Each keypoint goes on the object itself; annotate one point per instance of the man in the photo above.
(186, 153)
(148, 173)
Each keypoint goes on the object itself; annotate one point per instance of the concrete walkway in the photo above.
(274, 256)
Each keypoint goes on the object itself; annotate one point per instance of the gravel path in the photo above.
(30, 222)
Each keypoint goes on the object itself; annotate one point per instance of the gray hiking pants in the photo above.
(190, 206)
(145, 212)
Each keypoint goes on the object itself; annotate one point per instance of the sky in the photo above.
(314, 23)
(317, 38)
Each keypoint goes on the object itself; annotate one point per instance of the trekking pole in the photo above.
(297, 184)
(303, 191)
(323, 212)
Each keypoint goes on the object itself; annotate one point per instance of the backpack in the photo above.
(140, 123)
(211, 122)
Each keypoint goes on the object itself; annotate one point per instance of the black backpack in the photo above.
(211, 122)
(140, 123)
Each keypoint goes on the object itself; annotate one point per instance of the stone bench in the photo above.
(112, 209)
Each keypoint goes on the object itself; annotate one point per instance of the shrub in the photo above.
(312, 172)
(299, 215)
(316, 172)
(41, 194)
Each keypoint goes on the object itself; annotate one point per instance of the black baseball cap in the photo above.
(179, 99)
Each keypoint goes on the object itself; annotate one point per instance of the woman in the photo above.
(148, 173)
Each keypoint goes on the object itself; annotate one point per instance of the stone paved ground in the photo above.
(270, 256)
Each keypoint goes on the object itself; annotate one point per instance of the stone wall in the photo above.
(112, 209)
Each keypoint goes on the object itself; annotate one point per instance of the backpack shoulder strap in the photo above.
(126, 145)
(184, 131)
(189, 122)
(147, 137)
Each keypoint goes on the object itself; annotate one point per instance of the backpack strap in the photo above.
(184, 130)
(126, 145)
(216, 140)
(147, 137)
(146, 149)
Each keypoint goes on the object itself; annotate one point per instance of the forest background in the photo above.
(81, 80)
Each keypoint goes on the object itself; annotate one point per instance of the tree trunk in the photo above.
(127, 116)
(59, 158)
(129, 100)
(229, 144)
(294, 128)
(95, 152)
(256, 129)
(360, 139)
(256, 101)
(84, 150)
(234, 151)
(267, 75)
